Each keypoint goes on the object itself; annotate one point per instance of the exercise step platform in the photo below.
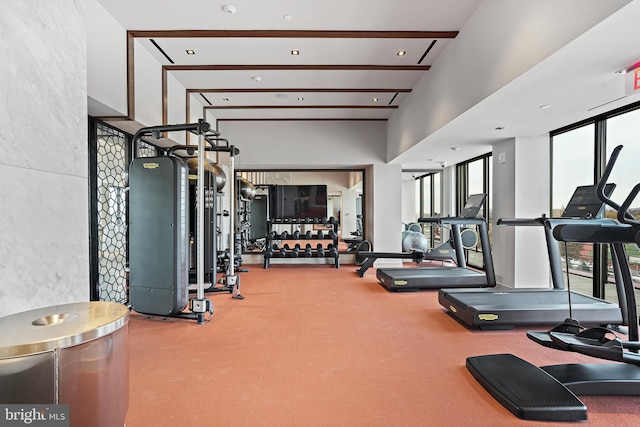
(526, 390)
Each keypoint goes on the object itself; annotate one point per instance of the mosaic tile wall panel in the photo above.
(112, 214)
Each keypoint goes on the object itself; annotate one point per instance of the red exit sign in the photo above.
(632, 79)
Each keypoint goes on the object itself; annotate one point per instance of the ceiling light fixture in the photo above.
(374, 99)
(229, 8)
(287, 18)
(190, 52)
(300, 98)
(401, 52)
(295, 52)
(545, 106)
(225, 99)
(256, 78)
(499, 128)
(455, 148)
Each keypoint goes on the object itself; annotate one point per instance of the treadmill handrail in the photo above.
(522, 221)
(449, 220)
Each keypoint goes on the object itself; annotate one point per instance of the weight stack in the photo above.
(158, 235)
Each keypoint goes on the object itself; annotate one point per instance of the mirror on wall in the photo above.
(342, 202)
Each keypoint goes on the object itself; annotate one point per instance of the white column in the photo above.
(521, 181)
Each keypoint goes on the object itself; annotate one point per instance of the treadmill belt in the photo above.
(504, 309)
(399, 279)
(525, 300)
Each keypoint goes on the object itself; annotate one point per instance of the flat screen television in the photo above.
(297, 201)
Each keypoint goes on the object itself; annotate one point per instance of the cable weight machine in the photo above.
(159, 224)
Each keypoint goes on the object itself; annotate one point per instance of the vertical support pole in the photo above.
(232, 279)
(232, 211)
(200, 226)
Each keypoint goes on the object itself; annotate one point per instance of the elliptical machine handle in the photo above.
(623, 213)
(600, 189)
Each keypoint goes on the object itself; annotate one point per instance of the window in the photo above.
(573, 163)
(623, 130)
(428, 203)
(579, 154)
(475, 177)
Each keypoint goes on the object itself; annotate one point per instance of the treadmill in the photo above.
(504, 308)
(413, 279)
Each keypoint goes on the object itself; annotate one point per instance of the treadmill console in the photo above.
(473, 205)
(585, 202)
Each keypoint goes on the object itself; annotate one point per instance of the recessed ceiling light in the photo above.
(287, 18)
(545, 106)
(455, 148)
(401, 52)
(190, 52)
(499, 128)
(256, 78)
(295, 52)
(374, 99)
(225, 99)
(300, 98)
(229, 8)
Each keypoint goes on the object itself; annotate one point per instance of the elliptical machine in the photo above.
(549, 393)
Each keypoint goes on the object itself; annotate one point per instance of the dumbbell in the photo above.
(296, 234)
(307, 235)
(295, 251)
(320, 235)
(333, 252)
(282, 253)
(271, 250)
(315, 220)
(332, 220)
(268, 253)
(284, 235)
(324, 220)
(307, 251)
(332, 235)
(273, 235)
(320, 251)
(309, 220)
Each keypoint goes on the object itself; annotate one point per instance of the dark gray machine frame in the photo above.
(505, 308)
(412, 279)
(166, 295)
(549, 393)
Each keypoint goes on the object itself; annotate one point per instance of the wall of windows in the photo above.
(472, 177)
(475, 177)
(429, 204)
(579, 153)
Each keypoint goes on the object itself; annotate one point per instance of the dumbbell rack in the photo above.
(275, 251)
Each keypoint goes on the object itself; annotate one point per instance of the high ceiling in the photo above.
(345, 60)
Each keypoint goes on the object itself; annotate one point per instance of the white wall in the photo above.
(44, 250)
(320, 144)
(277, 144)
(148, 87)
(521, 34)
(408, 201)
(521, 189)
(106, 62)
(348, 214)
